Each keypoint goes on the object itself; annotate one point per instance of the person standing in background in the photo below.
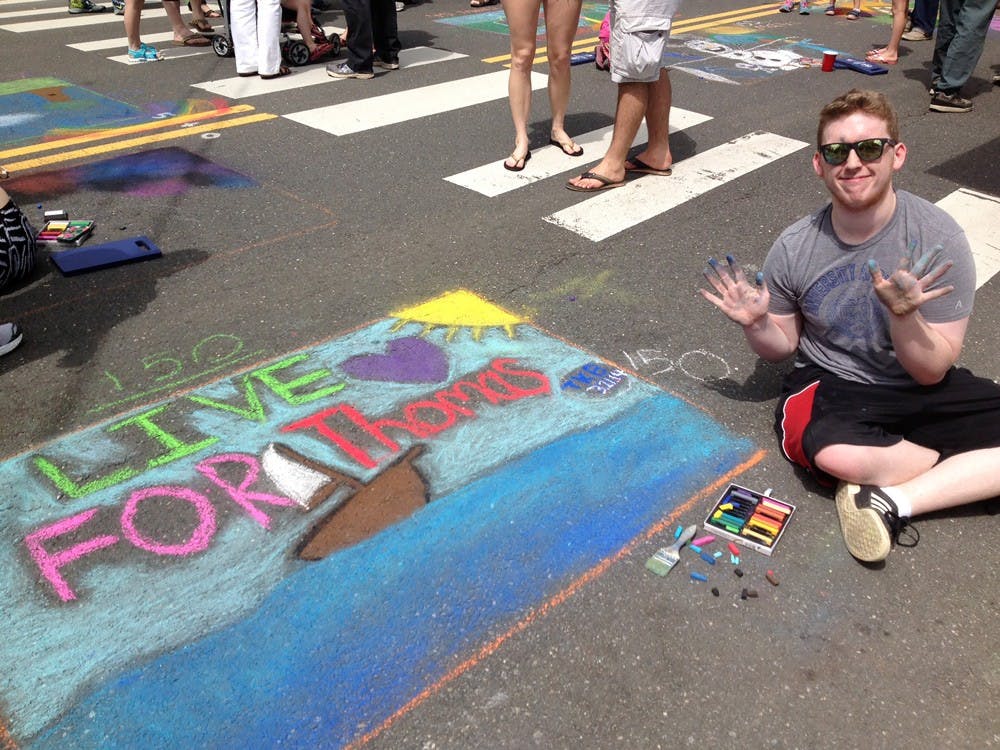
(562, 18)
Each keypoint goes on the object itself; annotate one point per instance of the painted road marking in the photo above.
(128, 143)
(81, 19)
(680, 27)
(161, 36)
(116, 133)
(121, 42)
(979, 215)
(379, 111)
(240, 88)
(168, 51)
(614, 211)
(549, 161)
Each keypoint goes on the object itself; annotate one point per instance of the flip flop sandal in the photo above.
(567, 147)
(282, 71)
(606, 183)
(209, 12)
(643, 168)
(200, 24)
(195, 40)
(522, 162)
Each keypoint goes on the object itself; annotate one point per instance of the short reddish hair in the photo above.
(872, 103)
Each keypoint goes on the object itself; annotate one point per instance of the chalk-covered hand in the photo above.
(908, 288)
(741, 301)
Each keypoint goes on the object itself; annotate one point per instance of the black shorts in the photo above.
(817, 409)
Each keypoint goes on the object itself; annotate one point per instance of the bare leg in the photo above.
(958, 480)
(657, 151)
(562, 18)
(633, 99)
(133, 13)
(303, 20)
(913, 469)
(173, 10)
(522, 21)
(889, 55)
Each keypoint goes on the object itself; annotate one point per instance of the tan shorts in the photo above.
(639, 33)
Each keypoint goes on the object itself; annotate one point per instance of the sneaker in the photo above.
(400, 7)
(118, 7)
(803, 8)
(787, 7)
(392, 64)
(944, 102)
(84, 6)
(870, 523)
(10, 337)
(344, 71)
(145, 53)
(917, 35)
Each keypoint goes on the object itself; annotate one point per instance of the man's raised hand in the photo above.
(741, 301)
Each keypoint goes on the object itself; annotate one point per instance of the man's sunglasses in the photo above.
(868, 150)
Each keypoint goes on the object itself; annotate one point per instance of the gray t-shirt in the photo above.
(845, 327)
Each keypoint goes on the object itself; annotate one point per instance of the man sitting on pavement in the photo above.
(872, 294)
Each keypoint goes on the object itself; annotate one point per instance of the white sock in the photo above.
(904, 508)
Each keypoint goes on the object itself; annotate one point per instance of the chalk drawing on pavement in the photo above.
(163, 172)
(170, 370)
(495, 21)
(296, 532)
(48, 109)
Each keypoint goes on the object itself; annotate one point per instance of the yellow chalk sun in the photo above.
(457, 310)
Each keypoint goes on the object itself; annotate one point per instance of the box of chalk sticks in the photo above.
(749, 518)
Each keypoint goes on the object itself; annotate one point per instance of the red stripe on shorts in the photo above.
(795, 416)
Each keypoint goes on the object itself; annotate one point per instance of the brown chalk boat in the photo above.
(396, 493)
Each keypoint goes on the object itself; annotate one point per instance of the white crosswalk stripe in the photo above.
(979, 215)
(612, 211)
(241, 88)
(549, 161)
(402, 106)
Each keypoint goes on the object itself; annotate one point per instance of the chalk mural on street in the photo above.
(160, 172)
(290, 555)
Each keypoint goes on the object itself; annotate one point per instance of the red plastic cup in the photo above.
(829, 57)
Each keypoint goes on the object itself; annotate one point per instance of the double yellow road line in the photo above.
(130, 136)
(679, 27)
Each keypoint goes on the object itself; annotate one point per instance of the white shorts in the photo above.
(639, 33)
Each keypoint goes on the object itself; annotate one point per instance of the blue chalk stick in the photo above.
(698, 577)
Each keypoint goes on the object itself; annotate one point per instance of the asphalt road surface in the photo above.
(295, 211)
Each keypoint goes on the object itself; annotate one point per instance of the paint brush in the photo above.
(666, 558)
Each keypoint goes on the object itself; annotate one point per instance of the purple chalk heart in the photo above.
(408, 360)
